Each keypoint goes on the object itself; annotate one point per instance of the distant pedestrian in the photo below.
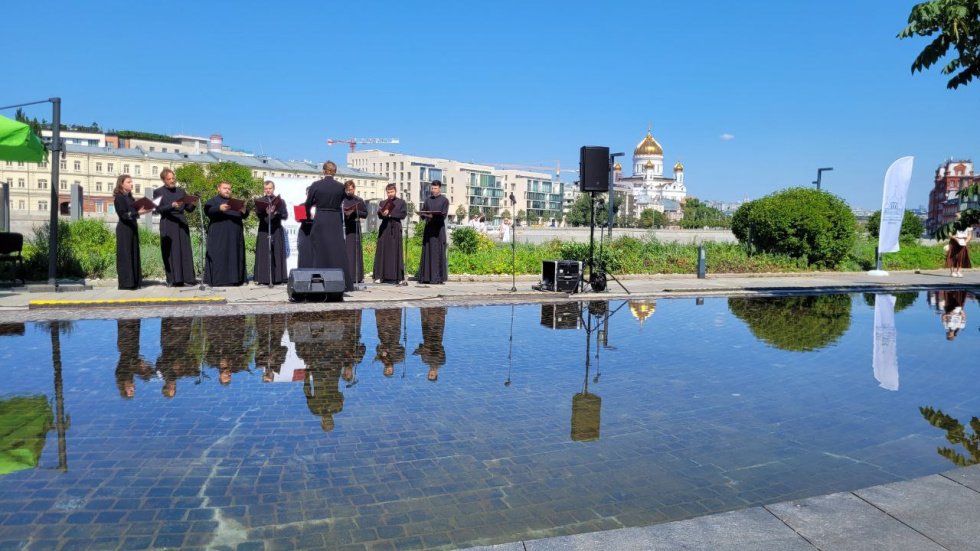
(506, 231)
(958, 255)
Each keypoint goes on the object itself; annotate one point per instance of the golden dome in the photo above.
(617, 167)
(649, 165)
(678, 167)
(642, 309)
(648, 146)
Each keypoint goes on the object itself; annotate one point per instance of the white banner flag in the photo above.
(885, 356)
(293, 192)
(897, 181)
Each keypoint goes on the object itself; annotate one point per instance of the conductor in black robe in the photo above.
(354, 211)
(389, 264)
(319, 342)
(390, 350)
(225, 265)
(434, 266)
(129, 269)
(431, 349)
(304, 244)
(270, 224)
(327, 234)
(175, 236)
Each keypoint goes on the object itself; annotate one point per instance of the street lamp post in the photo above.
(820, 172)
(612, 199)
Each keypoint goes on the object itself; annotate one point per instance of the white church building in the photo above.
(648, 180)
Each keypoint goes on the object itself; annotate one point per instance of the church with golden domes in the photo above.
(648, 180)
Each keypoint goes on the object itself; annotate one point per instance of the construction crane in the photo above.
(557, 169)
(354, 141)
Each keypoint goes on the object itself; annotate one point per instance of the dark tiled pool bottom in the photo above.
(442, 428)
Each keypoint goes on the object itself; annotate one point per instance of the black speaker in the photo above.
(564, 315)
(315, 284)
(593, 168)
(560, 275)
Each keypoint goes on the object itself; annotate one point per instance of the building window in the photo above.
(10, 163)
(125, 169)
(176, 150)
(98, 186)
(136, 188)
(164, 149)
(42, 205)
(112, 168)
(137, 168)
(20, 182)
(98, 167)
(155, 169)
(42, 184)
(64, 184)
(21, 205)
(64, 165)
(78, 165)
(20, 163)
(152, 148)
(42, 165)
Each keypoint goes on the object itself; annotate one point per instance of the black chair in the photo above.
(11, 245)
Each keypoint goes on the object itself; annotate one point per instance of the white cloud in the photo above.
(727, 137)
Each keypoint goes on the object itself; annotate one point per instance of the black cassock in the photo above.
(327, 234)
(175, 236)
(389, 265)
(226, 245)
(352, 236)
(129, 270)
(431, 350)
(177, 347)
(434, 266)
(320, 339)
(390, 350)
(304, 245)
(270, 224)
(270, 353)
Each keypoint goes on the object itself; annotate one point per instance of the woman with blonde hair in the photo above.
(129, 269)
(958, 255)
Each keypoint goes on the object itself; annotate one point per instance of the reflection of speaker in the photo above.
(315, 284)
(564, 315)
(12, 329)
(560, 275)
(317, 331)
(593, 168)
(585, 417)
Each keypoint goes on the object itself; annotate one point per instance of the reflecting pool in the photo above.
(448, 427)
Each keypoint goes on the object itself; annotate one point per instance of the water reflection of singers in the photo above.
(270, 353)
(431, 349)
(176, 357)
(228, 345)
(320, 343)
(390, 350)
(354, 349)
(131, 365)
(954, 317)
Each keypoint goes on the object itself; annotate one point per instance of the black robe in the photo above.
(327, 234)
(431, 350)
(229, 344)
(175, 237)
(304, 245)
(434, 265)
(270, 224)
(390, 350)
(131, 365)
(225, 263)
(129, 269)
(352, 237)
(178, 352)
(270, 353)
(321, 339)
(389, 264)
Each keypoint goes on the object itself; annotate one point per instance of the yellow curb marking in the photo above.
(123, 301)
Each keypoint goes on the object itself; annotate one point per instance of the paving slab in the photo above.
(967, 476)
(516, 546)
(845, 522)
(754, 528)
(935, 506)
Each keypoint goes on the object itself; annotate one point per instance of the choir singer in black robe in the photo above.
(390, 350)
(327, 235)
(175, 236)
(434, 266)
(129, 269)
(354, 211)
(389, 264)
(431, 349)
(270, 224)
(226, 241)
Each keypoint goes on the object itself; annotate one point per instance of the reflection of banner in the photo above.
(293, 192)
(885, 358)
(897, 181)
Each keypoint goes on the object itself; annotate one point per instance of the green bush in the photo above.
(86, 248)
(803, 223)
(798, 324)
(912, 228)
(465, 239)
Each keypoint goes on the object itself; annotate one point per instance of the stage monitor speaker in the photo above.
(593, 168)
(560, 275)
(564, 315)
(315, 284)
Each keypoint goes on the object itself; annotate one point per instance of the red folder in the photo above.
(299, 212)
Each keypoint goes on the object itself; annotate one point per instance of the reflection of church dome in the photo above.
(618, 167)
(649, 165)
(678, 167)
(642, 309)
(648, 146)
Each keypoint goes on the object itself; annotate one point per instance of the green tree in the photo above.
(203, 180)
(505, 213)
(521, 217)
(650, 218)
(814, 225)
(578, 213)
(955, 434)
(532, 217)
(474, 211)
(912, 227)
(797, 324)
(958, 25)
(699, 215)
(460, 213)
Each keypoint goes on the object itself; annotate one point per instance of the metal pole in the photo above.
(4, 207)
(55, 174)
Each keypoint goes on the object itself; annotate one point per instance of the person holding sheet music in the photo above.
(270, 264)
(389, 266)
(129, 269)
(354, 211)
(225, 263)
(175, 236)
(434, 265)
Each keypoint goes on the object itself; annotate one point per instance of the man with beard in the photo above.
(354, 211)
(389, 265)
(270, 242)
(434, 266)
(225, 263)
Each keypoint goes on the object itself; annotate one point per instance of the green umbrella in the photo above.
(24, 424)
(18, 143)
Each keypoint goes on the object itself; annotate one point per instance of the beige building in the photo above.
(95, 169)
(468, 186)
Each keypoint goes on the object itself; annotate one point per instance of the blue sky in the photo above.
(798, 84)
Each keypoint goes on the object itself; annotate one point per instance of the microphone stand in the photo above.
(204, 247)
(268, 217)
(510, 346)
